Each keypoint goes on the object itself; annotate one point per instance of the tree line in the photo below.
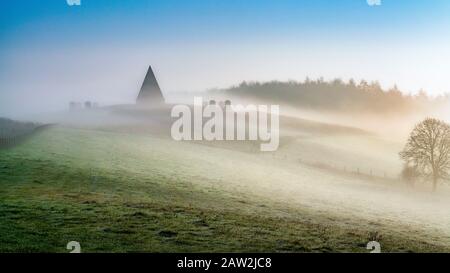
(337, 95)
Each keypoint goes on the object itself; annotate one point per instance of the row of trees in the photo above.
(427, 152)
(337, 95)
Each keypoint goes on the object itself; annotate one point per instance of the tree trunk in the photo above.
(435, 180)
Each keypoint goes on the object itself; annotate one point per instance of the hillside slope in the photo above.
(120, 192)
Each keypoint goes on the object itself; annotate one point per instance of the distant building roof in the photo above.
(150, 92)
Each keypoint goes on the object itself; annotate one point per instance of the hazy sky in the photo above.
(51, 53)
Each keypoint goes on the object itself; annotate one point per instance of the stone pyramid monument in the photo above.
(150, 93)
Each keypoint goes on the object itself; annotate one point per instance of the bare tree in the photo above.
(428, 150)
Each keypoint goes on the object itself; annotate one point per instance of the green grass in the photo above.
(127, 193)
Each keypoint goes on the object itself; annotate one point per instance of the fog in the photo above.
(351, 80)
(347, 175)
(35, 78)
(329, 167)
(338, 156)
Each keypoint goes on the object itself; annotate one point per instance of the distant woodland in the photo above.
(337, 95)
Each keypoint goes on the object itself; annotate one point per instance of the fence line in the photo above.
(9, 141)
(363, 172)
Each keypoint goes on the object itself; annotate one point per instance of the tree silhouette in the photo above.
(428, 150)
(337, 95)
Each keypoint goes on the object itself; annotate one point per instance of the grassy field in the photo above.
(118, 192)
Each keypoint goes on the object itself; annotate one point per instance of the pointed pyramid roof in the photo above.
(150, 92)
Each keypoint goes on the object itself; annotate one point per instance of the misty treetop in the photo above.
(337, 95)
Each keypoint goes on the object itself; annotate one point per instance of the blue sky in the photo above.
(130, 21)
(100, 50)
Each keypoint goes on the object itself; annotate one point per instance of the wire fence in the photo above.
(10, 138)
(351, 170)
